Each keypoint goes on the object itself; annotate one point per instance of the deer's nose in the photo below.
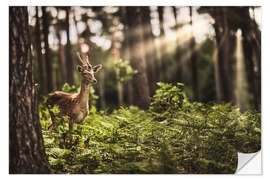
(95, 81)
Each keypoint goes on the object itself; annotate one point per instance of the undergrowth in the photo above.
(174, 136)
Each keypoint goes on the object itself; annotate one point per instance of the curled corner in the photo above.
(249, 163)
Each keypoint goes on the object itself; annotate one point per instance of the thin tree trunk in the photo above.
(226, 57)
(247, 46)
(222, 38)
(178, 48)
(135, 39)
(40, 62)
(61, 57)
(130, 93)
(79, 40)
(163, 46)
(48, 57)
(126, 56)
(251, 39)
(101, 89)
(26, 147)
(120, 94)
(69, 59)
(257, 51)
(150, 50)
(194, 66)
(116, 57)
(217, 78)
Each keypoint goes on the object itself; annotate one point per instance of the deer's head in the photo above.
(88, 71)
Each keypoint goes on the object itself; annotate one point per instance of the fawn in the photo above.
(75, 106)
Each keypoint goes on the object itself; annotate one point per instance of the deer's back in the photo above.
(64, 101)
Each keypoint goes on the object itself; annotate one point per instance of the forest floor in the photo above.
(174, 136)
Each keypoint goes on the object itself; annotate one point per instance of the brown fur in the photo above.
(64, 101)
(69, 105)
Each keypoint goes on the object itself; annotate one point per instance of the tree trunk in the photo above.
(150, 50)
(217, 78)
(69, 59)
(163, 47)
(257, 51)
(61, 57)
(251, 44)
(222, 38)
(249, 65)
(26, 148)
(135, 39)
(194, 66)
(79, 39)
(101, 89)
(126, 56)
(116, 57)
(48, 57)
(40, 62)
(178, 48)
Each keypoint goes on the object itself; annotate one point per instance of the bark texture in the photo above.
(26, 148)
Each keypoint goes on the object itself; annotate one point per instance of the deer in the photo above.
(74, 106)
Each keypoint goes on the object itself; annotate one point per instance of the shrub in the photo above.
(168, 99)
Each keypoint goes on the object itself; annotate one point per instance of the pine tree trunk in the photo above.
(194, 66)
(116, 57)
(249, 65)
(178, 48)
(150, 50)
(163, 47)
(135, 39)
(40, 60)
(61, 55)
(101, 89)
(69, 59)
(79, 40)
(222, 38)
(48, 57)
(251, 44)
(125, 56)
(26, 147)
(61, 58)
(257, 48)
(217, 78)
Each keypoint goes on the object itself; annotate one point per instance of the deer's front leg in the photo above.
(79, 127)
(53, 120)
(70, 124)
(70, 127)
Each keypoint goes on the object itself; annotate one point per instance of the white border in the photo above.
(137, 2)
(4, 75)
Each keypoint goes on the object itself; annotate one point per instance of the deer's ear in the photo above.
(97, 68)
(79, 68)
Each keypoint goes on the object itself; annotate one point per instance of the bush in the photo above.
(174, 136)
(124, 71)
(168, 99)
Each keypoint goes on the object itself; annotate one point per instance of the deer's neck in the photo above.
(84, 94)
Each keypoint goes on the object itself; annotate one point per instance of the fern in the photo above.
(173, 136)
